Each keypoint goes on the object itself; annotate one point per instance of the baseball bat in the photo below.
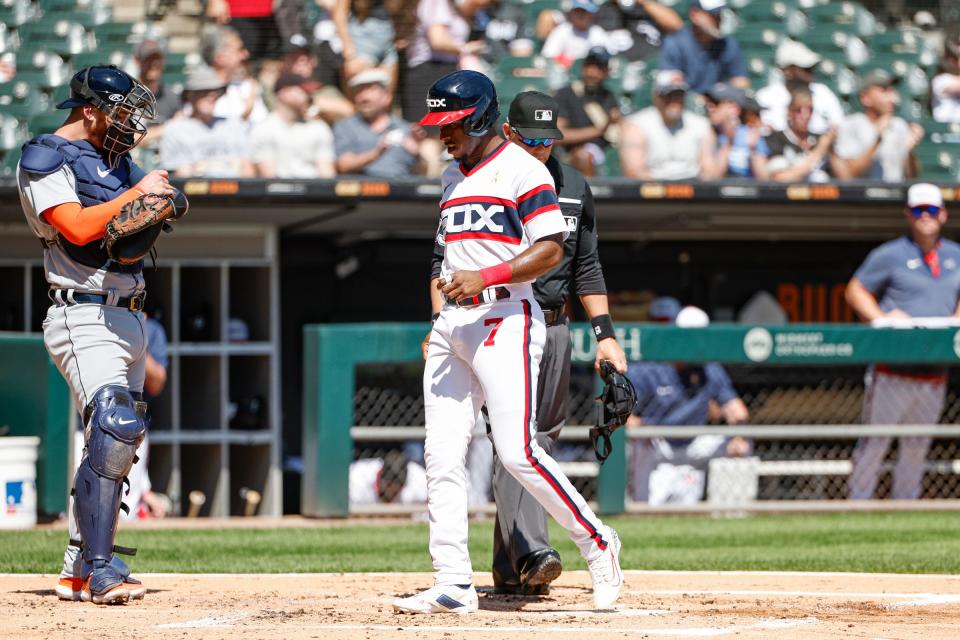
(251, 499)
(197, 499)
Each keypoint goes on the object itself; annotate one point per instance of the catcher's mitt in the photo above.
(614, 405)
(130, 235)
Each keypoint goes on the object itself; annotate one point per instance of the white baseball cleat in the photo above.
(440, 599)
(606, 574)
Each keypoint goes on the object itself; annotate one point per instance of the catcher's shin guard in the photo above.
(114, 431)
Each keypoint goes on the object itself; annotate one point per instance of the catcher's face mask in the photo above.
(125, 111)
(614, 406)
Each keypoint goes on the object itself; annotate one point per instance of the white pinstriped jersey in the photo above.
(495, 211)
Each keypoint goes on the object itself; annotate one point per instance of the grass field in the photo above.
(862, 542)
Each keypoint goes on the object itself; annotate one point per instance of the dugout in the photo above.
(277, 255)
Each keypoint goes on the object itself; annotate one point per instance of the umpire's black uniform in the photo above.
(521, 526)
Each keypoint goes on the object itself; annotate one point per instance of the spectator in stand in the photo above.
(637, 27)
(510, 31)
(798, 63)
(665, 142)
(678, 394)
(945, 88)
(587, 111)
(741, 149)
(391, 479)
(223, 50)
(150, 59)
(702, 53)
(203, 144)
(327, 101)
(8, 66)
(876, 144)
(571, 40)
(439, 41)
(796, 153)
(366, 38)
(373, 142)
(254, 22)
(288, 144)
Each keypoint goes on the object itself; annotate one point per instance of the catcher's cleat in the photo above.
(117, 594)
(459, 599)
(71, 587)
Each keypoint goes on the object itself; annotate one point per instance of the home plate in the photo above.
(629, 613)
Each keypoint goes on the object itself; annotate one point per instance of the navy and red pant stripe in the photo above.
(528, 451)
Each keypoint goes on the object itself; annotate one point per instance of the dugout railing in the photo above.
(802, 383)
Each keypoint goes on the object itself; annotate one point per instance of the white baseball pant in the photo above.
(892, 399)
(94, 346)
(490, 354)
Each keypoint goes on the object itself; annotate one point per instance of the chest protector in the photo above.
(95, 184)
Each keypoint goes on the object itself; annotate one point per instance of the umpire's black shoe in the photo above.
(514, 589)
(540, 568)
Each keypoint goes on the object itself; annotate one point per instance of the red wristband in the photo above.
(498, 274)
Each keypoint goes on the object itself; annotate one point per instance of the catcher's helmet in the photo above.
(124, 100)
(463, 95)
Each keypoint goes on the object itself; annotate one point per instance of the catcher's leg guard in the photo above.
(114, 431)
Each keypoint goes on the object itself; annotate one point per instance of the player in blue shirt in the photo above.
(676, 394)
(914, 276)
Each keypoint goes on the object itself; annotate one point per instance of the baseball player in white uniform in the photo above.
(914, 276)
(71, 183)
(501, 227)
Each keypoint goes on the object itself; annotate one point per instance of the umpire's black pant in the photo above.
(521, 525)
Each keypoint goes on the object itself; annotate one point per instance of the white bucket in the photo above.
(18, 482)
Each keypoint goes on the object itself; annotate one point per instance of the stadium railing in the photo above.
(803, 385)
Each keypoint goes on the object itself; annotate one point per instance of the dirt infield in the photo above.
(657, 604)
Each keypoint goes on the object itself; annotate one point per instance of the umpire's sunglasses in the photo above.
(534, 142)
(931, 209)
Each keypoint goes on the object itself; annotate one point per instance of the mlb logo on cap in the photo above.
(543, 115)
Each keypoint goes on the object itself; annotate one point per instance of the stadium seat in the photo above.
(46, 122)
(12, 133)
(119, 35)
(938, 163)
(907, 43)
(761, 35)
(14, 13)
(20, 99)
(48, 63)
(120, 58)
(63, 37)
(10, 160)
(849, 15)
(35, 78)
(941, 132)
(829, 42)
(611, 162)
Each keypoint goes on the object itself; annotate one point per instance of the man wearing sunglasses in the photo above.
(523, 560)
(913, 277)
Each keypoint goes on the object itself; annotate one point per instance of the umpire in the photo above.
(523, 561)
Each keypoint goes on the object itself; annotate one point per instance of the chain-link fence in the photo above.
(802, 438)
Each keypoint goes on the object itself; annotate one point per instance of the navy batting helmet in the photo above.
(463, 95)
(124, 100)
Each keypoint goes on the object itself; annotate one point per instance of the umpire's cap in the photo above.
(463, 95)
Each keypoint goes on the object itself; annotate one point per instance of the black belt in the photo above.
(132, 303)
(554, 316)
(490, 294)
